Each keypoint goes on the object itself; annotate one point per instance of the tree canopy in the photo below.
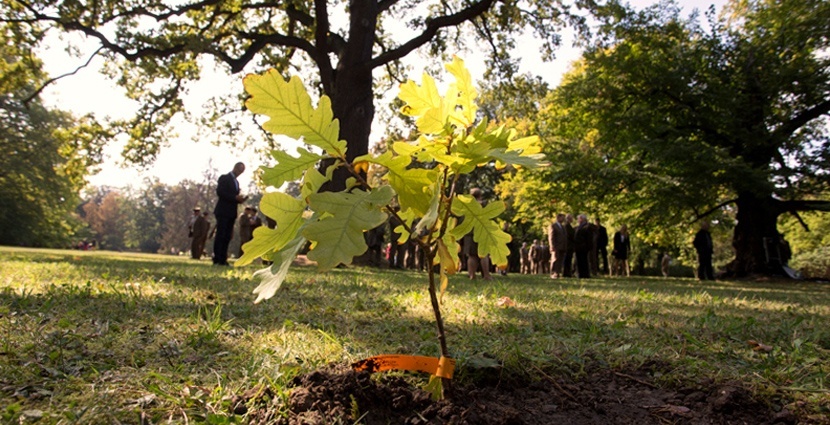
(665, 122)
(45, 154)
(154, 47)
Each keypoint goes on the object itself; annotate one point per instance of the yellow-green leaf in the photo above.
(464, 93)
(273, 277)
(289, 108)
(425, 103)
(288, 168)
(480, 220)
(338, 234)
(413, 185)
(288, 213)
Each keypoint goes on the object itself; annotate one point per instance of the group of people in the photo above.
(571, 250)
(576, 250)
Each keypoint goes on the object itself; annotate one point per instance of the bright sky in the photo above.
(90, 92)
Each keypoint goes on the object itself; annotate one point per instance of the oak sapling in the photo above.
(451, 140)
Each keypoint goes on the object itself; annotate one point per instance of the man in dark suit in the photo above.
(703, 246)
(569, 254)
(558, 241)
(583, 242)
(226, 208)
(602, 246)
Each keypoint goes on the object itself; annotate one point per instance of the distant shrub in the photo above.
(813, 264)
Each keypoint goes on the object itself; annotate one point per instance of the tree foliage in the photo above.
(664, 122)
(45, 155)
(154, 48)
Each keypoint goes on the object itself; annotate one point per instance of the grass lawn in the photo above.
(102, 337)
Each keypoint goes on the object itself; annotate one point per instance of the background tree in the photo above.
(145, 216)
(664, 123)
(45, 155)
(107, 218)
(181, 199)
(154, 48)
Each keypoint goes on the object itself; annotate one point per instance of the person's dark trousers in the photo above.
(603, 254)
(224, 233)
(582, 266)
(705, 270)
(569, 263)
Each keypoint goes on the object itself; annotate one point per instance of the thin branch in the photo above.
(800, 220)
(37, 92)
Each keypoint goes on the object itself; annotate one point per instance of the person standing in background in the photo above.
(246, 229)
(602, 246)
(558, 241)
(704, 247)
(198, 232)
(583, 242)
(227, 189)
(622, 247)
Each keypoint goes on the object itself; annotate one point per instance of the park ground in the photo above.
(101, 337)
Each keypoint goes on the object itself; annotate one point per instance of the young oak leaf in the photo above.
(287, 211)
(411, 184)
(289, 108)
(273, 277)
(314, 180)
(479, 220)
(425, 103)
(339, 236)
(517, 158)
(288, 168)
(464, 113)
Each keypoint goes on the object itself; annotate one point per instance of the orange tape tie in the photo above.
(442, 367)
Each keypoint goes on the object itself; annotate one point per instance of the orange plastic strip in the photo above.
(442, 367)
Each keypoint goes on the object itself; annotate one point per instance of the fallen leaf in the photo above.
(505, 302)
(757, 346)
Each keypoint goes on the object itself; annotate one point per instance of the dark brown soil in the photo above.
(339, 395)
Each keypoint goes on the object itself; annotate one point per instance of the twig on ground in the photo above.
(639, 381)
(556, 384)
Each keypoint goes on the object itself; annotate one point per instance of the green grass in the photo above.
(100, 337)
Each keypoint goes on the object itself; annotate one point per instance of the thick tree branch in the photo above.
(698, 215)
(384, 5)
(801, 205)
(321, 36)
(433, 26)
(787, 129)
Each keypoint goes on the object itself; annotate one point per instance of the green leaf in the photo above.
(288, 213)
(435, 388)
(338, 234)
(413, 185)
(516, 158)
(314, 180)
(490, 238)
(431, 215)
(273, 277)
(288, 168)
(289, 108)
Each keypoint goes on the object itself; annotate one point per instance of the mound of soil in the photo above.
(339, 395)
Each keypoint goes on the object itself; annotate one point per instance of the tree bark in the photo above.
(757, 219)
(352, 99)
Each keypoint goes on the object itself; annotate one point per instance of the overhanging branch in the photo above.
(37, 92)
(433, 26)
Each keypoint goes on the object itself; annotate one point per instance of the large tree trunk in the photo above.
(352, 90)
(756, 236)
